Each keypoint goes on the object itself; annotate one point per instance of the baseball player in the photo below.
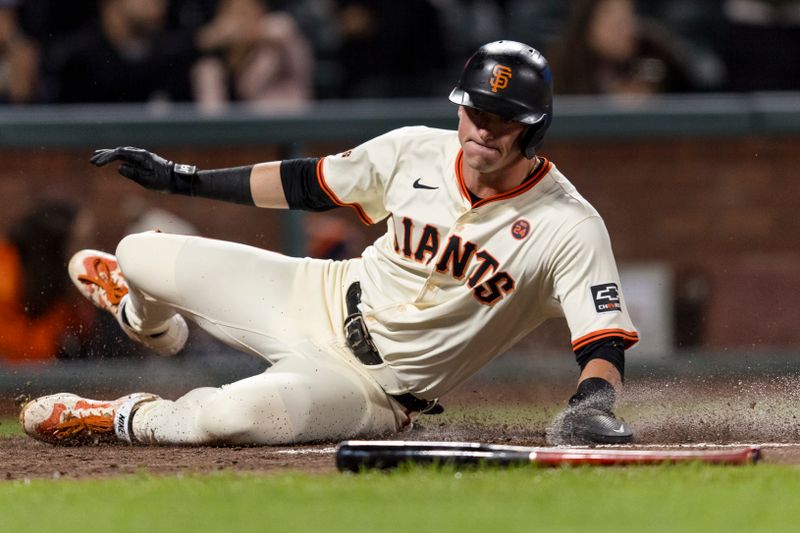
(484, 240)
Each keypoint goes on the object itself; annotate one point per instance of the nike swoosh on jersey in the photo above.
(418, 185)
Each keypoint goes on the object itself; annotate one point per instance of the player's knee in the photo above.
(132, 252)
(148, 260)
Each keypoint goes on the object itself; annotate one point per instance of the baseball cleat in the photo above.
(98, 277)
(69, 419)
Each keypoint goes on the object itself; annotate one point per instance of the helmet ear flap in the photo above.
(533, 137)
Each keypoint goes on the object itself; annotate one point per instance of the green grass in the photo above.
(651, 499)
(9, 427)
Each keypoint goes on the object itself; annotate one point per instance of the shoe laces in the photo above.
(77, 425)
(103, 279)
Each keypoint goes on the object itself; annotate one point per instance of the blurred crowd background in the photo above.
(283, 51)
(703, 249)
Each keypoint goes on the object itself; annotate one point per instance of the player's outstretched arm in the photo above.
(258, 185)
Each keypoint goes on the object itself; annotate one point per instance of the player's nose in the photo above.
(484, 132)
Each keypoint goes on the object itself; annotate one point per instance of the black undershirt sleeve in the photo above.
(611, 349)
(227, 184)
(301, 187)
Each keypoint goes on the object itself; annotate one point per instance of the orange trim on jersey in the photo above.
(460, 177)
(523, 187)
(332, 195)
(630, 338)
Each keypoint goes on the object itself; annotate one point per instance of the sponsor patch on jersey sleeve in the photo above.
(606, 297)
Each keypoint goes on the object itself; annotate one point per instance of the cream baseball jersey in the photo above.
(452, 284)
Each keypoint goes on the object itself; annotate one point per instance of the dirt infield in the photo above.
(24, 458)
(664, 414)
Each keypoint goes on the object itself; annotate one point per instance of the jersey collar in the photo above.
(523, 187)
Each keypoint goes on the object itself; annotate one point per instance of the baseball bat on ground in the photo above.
(358, 455)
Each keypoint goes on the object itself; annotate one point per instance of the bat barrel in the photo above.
(610, 457)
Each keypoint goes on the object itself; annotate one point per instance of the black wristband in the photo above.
(611, 349)
(183, 178)
(227, 184)
(595, 392)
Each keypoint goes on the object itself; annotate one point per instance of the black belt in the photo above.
(360, 343)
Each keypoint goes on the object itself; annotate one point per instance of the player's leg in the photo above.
(255, 300)
(297, 400)
(267, 304)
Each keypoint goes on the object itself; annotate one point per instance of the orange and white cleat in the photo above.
(68, 419)
(98, 277)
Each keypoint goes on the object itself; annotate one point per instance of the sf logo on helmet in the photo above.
(500, 76)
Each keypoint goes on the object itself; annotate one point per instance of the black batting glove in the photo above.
(589, 418)
(148, 169)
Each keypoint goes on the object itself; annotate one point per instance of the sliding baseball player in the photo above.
(485, 239)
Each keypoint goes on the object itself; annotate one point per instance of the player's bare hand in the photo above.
(146, 168)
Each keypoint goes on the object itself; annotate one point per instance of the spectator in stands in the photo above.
(317, 22)
(607, 49)
(42, 317)
(126, 56)
(700, 26)
(19, 58)
(257, 56)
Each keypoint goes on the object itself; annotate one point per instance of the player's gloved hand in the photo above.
(589, 418)
(148, 169)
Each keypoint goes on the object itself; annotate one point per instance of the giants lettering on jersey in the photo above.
(488, 284)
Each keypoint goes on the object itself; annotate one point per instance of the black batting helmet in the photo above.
(512, 80)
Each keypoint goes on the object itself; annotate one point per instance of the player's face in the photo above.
(490, 142)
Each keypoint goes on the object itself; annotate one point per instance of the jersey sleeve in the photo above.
(358, 177)
(588, 288)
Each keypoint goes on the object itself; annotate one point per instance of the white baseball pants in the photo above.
(288, 310)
